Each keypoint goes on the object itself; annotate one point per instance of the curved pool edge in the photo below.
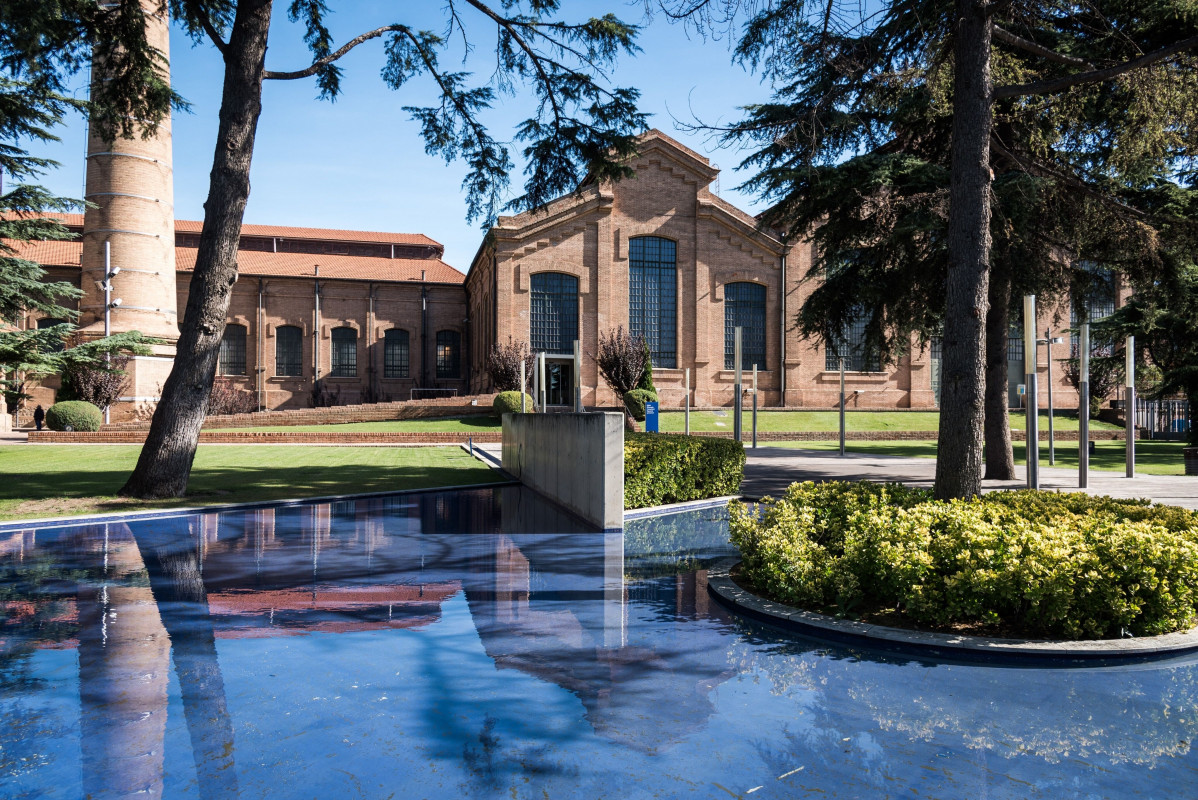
(926, 643)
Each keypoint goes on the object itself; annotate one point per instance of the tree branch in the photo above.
(1039, 50)
(330, 58)
(507, 25)
(1051, 85)
(206, 23)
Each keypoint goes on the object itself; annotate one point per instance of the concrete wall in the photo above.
(576, 460)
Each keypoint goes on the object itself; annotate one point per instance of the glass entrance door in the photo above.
(559, 383)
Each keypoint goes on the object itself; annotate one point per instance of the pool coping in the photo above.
(678, 508)
(742, 601)
(11, 526)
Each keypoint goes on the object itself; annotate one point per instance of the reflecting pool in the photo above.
(482, 644)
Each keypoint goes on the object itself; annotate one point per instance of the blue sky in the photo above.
(359, 163)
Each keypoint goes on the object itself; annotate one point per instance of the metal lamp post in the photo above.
(1033, 402)
(1083, 409)
(1048, 341)
(110, 303)
(736, 386)
(1130, 395)
(842, 406)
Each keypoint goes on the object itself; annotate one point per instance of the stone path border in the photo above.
(741, 601)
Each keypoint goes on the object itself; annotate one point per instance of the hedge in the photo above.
(1024, 563)
(80, 415)
(509, 403)
(670, 468)
(635, 401)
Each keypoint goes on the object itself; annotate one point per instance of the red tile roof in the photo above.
(255, 262)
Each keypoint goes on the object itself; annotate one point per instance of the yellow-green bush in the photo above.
(663, 468)
(509, 403)
(1045, 564)
(78, 415)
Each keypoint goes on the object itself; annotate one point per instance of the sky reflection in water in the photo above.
(480, 643)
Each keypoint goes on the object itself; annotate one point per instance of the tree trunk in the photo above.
(959, 454)
(165, 461)
(1000, 459)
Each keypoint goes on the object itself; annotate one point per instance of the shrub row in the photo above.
(664, 468)
(509, 403)
(1038, 563)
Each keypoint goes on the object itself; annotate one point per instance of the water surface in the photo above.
(481, 643)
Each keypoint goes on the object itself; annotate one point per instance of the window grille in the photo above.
(554, 319)
(850, 345)
(395, 354)
(652, 297)
(345, 353)
(1093, 302)
(289, 351)
(50, 322)
(449, 354)
(232, 351)
(744, 306)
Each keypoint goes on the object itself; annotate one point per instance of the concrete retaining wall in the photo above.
(576, 460)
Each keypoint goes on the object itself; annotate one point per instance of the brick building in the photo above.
(662, 255)
(372, 315)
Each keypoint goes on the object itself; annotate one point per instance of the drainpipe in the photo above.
(316, 333)
(261, 345)
(423, 331)
(371, 373)
(782, 339)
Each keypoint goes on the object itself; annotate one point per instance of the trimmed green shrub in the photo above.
(80, 415)
(646, 381)
(1032, 563)
(509, 403)
(635, 401)
(664, 468)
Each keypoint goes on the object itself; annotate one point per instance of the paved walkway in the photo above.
(771, 469)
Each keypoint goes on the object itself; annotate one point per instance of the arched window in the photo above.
(232, 350)
(851, 346)
(744, 307)
(50, 322)
(449, 354)
(1093, 300)
(652, 296)
(289, 351)
(554, 320)
(345, 353)
(395, 354)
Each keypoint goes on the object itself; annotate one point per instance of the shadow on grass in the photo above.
(84, 491)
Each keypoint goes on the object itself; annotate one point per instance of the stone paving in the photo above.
(770, 470)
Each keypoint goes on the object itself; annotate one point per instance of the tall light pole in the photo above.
(1048, 341)
(1033, 402)
(842, 405)
(1083, 410)
(1130, 394)
(110, 303)
(736, 386)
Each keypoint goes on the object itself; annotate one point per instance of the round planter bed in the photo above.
(926, 643)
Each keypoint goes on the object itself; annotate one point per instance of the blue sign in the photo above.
(651, 416)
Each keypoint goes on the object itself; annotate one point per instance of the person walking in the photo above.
(39, 416)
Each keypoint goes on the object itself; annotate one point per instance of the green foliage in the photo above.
(635, 401)
(667, 468)
(1044, 564)
(78, 414)
(509, 403)
(646, 382)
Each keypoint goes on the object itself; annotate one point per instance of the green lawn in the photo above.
(708, 421)
(57, 480)
(1152, 458)
(854, 421)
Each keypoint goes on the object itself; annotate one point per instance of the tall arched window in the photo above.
(395, 354)
(345, 353)
(50, 322)
(653, 298)
(554, 320)
(289, 351)
(744, 307)
(449, 354)
(232, 350)
(851, 346)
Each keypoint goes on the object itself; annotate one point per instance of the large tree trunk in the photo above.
(1000, 460)
(165, 462)
(959, 454)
